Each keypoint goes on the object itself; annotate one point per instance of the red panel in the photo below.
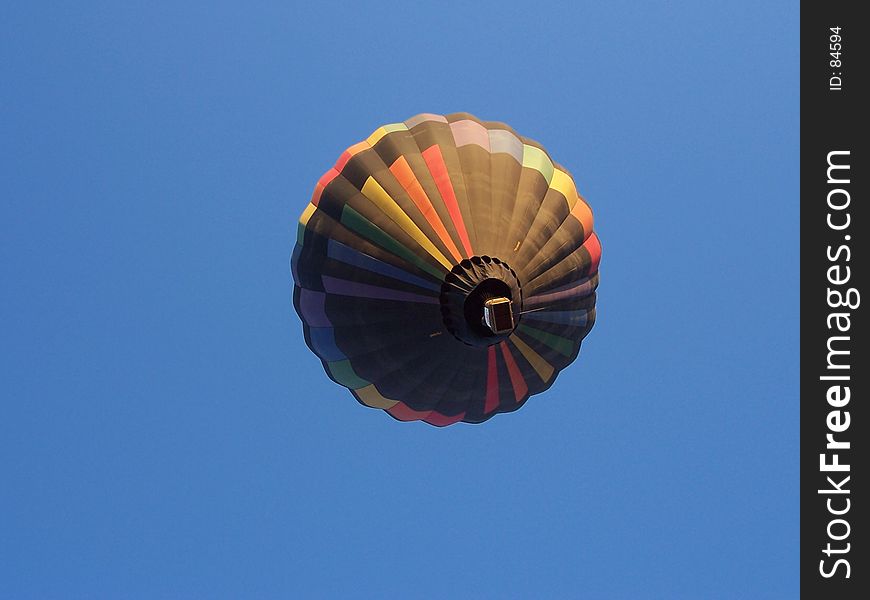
(403, 413)
(517, 380)
(439, 420)
(593, 246)
(348, 154)
(401, 170)
(321, 185)
(435, 162)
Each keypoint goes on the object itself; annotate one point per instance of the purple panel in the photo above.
(577, 318)
(312, 307)
(343, 287)
(570, 284)
(578, 291)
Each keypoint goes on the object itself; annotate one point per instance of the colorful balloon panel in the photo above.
(407, 239)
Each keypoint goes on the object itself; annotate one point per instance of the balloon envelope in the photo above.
(445, 269)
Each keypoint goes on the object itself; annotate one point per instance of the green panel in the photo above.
(561, 345)
(535, 158)
(358, 223)
(343, 373)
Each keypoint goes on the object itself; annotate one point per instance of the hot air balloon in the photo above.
(445, 269)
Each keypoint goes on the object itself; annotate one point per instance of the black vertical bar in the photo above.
(834, 362)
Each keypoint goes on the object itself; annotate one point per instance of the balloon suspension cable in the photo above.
(532, 310)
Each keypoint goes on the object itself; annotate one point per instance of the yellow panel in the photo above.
(372, 397)
(306, 214)
(543, 368)
(374, 192)
(380, 132)
(563, 183)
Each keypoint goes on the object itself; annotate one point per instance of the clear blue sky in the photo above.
(165, 432)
